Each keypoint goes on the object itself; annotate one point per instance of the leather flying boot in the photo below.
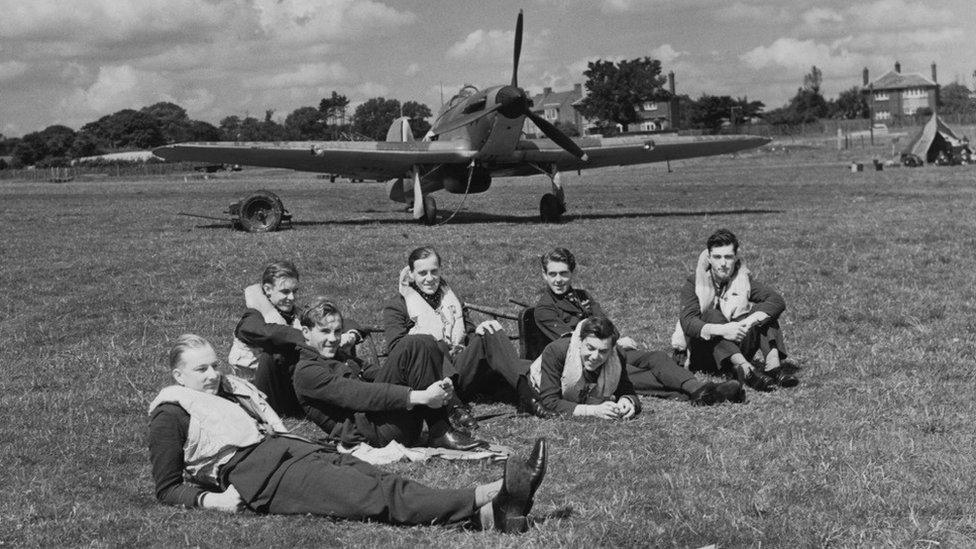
(528, 401)
(519, 485)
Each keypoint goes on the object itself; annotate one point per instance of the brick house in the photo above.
(898, 94)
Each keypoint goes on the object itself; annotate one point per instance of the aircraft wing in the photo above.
(379, 160)
(627, 150)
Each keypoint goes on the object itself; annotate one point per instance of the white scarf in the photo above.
(734, 301)
(572, 381)
(242, 357)
(219, 427)
(446, 323)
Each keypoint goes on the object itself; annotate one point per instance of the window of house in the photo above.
(650, 106)
(881, 96)
(552, 113)
(882, 115)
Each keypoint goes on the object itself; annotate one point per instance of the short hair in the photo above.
(558, 255)
(183, 344)
(599, 327)
(316, 311)
(279, 269)
(422, 252)
(722, 237)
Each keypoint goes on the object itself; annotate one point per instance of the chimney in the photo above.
(671, 82)
(934, 76)
(897, 67)
(546, 91)
(578, 89)
(864, 76)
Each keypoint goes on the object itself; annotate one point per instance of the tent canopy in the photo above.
(934, 137)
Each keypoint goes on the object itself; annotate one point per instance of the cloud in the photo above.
(119, 87)
(484, 44)
(11, 69)
(304, 76)
(310, 21)
(666, 54)
(413, 69)
(802, 54)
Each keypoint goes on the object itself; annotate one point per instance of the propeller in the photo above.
(512, 102)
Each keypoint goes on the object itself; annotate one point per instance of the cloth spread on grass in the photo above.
(396, 452)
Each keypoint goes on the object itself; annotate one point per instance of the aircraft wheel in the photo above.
(430, 211)
(550, 208)
(261, 212)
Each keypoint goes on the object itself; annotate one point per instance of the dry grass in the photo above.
(874, 448)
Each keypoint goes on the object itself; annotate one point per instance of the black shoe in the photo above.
(519, 485)
(461, 417)
(731, 391)
(706, 395)
(757, 380)
(528, 403)
(457, 440)
(783, 377)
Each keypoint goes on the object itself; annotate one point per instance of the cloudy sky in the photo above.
(72, 62)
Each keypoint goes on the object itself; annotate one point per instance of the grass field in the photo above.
(875, 448)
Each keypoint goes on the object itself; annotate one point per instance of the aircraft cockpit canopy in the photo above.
(467, 91)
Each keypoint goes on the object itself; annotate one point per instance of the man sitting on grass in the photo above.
(562, 307)
(265, 339)
(584, 374)
(408, 391)
(727, 316)
(214, 442)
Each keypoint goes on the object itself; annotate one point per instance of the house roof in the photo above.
(899, 81)
(540, 101)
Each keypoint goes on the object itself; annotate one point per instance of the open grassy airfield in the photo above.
(875, 448)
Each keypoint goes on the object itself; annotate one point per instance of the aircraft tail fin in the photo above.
(400, 130)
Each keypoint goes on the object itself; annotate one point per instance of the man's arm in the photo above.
(550, 383)
(766, 300)
(690, 315)
(274, 338)
(396, 322)
(625, 388)
(548, 319)
(168, 428)
(318, 381)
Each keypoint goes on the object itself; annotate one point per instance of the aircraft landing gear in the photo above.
(553, 205)
(430, 211)
(259, 212)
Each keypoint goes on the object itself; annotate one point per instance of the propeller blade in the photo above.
(418, 195)
(518, 49)
(465, 120)
(552, 132)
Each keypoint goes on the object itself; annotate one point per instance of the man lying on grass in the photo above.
(482, 358)
(409, 391)
(218, 432)
(562, 307)
(727, 316)
(584, 374)
(265, 339)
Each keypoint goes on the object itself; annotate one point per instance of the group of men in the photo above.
(303, 361)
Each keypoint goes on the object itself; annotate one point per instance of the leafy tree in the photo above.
(615, 91)
(850, 104)
(333, 109)
(955, 98)
(373, 118)
(711, 112)
(306, 123)
(127, 129)
(85, 144)
(53, 141)
(233, 128)
(418, 113)
(230, 128)
(199, 130)
(173, 121)
(808, 105)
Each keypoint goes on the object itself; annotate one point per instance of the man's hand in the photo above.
(437, 395)
(228, 501)
(604, 410)
(488, 326)
(626, 408)
(348, 340)
(626, 343)
(733, 331)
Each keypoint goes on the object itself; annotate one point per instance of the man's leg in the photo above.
(342, 486)
(656, 374)
(273, 378)
(488, 353)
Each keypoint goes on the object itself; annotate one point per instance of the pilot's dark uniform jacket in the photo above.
(232, 443)
(712, 354)
(481, 364)
(274, 347)
(549, 381)
(653, 373)
(335, 395)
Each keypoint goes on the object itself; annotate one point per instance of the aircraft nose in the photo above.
(512, 100)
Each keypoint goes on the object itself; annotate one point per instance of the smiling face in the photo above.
(426, 274)
(558, 277)
(197, 370)
(722, 261)
(282, 293)
(325, 335)
(594, 351)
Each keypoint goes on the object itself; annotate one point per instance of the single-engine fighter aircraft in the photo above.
(476, 136)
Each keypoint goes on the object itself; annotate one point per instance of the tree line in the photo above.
(615, 93)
